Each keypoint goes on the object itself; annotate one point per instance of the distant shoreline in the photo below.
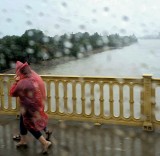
(43, 65)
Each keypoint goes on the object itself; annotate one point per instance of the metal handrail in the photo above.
(126, 101)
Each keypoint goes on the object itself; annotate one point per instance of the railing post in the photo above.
(147, 102)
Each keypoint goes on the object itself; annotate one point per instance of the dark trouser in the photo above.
(23, 130)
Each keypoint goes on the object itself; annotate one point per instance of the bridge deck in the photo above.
(82, 139)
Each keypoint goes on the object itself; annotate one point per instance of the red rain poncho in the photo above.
(31, 91)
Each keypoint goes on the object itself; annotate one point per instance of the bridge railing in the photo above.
(123, 101)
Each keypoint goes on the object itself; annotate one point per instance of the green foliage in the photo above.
(35, 46)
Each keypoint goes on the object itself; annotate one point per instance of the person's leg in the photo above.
(38, 135)
(46, 144)
(48, 133)
(23, 133)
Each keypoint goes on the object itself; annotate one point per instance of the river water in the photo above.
(132, 61)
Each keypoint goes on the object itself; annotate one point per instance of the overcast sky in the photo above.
(56, 17)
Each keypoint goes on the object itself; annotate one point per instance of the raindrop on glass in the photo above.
(123, 31)
(66, 51)
(30, 51)
(9, 20)
(31, 43)
(28, 7)
(68, 44)
(45, 39)
(94, 10)
(41, 14)
(94, 20)
(56, 26)
(28, 22)
(64, 4)
(30, 33)
(106, 9)
(82, 27)
(125, 18)
(4, 10)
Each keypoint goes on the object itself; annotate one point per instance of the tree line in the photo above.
(34, 46)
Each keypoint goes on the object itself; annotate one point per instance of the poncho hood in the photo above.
(22, 66)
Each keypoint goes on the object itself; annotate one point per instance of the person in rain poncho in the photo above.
(30, 89)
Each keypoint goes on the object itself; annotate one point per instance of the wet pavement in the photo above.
(82, 139)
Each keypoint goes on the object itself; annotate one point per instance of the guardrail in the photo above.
(126, 101)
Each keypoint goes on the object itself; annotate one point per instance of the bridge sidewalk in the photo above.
(82, 139)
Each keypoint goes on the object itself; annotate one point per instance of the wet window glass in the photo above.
(99, 60)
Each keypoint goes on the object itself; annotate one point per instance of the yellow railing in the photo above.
(127, 101)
